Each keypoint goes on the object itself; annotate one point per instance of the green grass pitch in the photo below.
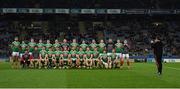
(141, 75)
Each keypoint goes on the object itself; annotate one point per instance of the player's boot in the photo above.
(121, 67)
(129, 67)
(60, 67)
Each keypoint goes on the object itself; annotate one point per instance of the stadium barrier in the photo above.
(88, 11)
(138, 59)
(171, 60)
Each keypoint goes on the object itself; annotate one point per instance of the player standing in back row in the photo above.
(83, 45)
(119, 49)
(48, 45)
(15, 46)
(93, 45)
(56, 45)
(40, 45)
(125, 55)
(74, 45)
(23, 48)
(31, 44)
(65, 45)
(102, 46)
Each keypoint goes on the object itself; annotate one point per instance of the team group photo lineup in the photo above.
(69, 54)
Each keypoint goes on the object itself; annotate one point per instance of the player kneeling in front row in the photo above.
(73, 58)
(80, 58)
(114, 59)
(70, 62)
(35, 57)
(49, 58)
(88, 58)
(25, 61)
(57, 59)
(65, 58)
(42, 58)
(96, 62)
(78, 61)
(106, 60)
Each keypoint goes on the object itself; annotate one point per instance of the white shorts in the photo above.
(30, 53)
(73, 59)
(109, 54)
(95, 58)
(119, 55)
(100, 54)
(105, 64)
(15, 53)
(126, 56)
(21, 54)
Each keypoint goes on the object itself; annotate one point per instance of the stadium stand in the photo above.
(138, 29)
(138, 32)
(153, 4)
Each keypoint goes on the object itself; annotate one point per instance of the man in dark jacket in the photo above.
(157, 47)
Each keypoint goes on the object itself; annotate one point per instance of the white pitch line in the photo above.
(89, 88)
(172, 68)
(169, 67)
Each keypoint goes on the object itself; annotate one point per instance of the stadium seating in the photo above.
(138, 29)
(139, 33)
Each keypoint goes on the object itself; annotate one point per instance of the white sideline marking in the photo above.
(172, 68)
(89, 88)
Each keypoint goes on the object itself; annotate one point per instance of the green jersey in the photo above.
(40, 45)
(73, 53)
(95, 54)
(15, 46)
(74, 45)
(101, 47)
(88, 53)
(65, 45)
(48, 45)
(23, 47)
(50, 52)
(83, 46)
(56, 45)
(65, 54)
(104, 57)
(81, 53)
(31, 46)
(58, 52)
(113, 56)
(93, 45)
(43, 53)
(119, 47)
